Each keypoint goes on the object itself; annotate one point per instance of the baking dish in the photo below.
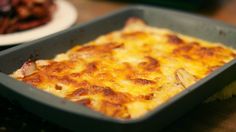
(76, 117)
(179, 4)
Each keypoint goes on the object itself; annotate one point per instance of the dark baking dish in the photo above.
(178, 4)
(76, 117)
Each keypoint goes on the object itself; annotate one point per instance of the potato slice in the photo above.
(184, 77)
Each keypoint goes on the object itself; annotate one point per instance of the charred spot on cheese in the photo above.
(58, 87)
(76, 75)
(233, 54)
(204, 52)
(120, 98)
(90, 68)
(184, 48)
(147, 97)
(33, 79)
(108, 92)
(137, 34)
(115, 110)
(128, 72)
(142, 81)
(209, 51)
(85, 101)
(79, 92)
(66, 80)
(105, 48)
(151, 64)
(174, 39)
(86, 48)
(98, 50)
(116, 97)
(194, 51)
(129, 67)
(194, 43)
(212, 68)
(58, 67)
(115, 45)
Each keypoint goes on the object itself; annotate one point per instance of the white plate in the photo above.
(63, 17)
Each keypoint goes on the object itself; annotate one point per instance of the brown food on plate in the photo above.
(19, 15)
(127, 73)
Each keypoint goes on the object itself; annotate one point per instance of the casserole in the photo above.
(126, 73)
(70, 114)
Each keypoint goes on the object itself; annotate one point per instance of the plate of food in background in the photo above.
(26, 20)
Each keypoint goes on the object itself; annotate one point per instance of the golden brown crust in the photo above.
(126, 73)
(150, 65)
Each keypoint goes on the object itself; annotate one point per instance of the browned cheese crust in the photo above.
(126, 73)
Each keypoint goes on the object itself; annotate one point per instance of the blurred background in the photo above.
(224, 10)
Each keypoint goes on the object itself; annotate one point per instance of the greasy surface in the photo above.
(127, 73)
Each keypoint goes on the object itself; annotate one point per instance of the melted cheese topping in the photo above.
(126, 73)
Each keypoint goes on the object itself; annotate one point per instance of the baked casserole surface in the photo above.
(128, 72)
